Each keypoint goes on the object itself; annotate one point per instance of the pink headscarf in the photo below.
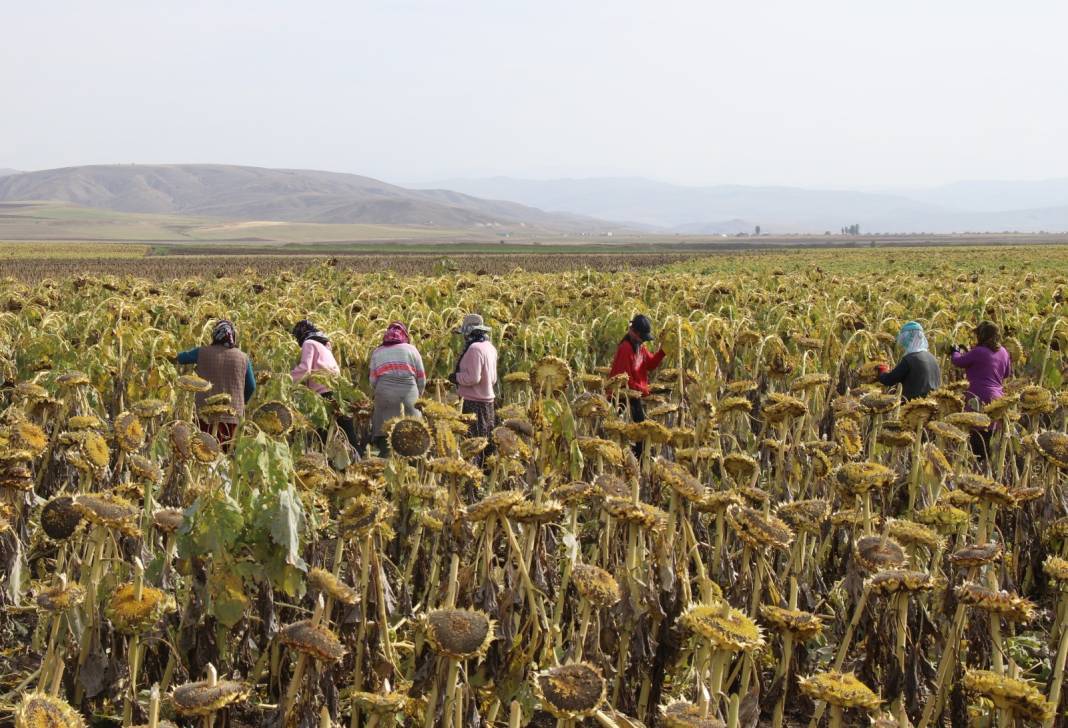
(396, 333)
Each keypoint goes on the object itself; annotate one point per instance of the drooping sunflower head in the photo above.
(893, 581)
(129, 433)
(60, 518)
(968, 420)
(679, 479)
(596, 585)
(1054, 447)
(312, 639)
(498, 503)
(840, 689)
(410, 437)
(724, 626)
(806, 516)
(29, 436)
(877, 553)
(193, 383)
(570, 692)
(858, 478)
(1009, 606)
(1019, 696)
(326, 582)
(144, 469)
(801, 624)
(878, 403)
(911, 533)
(108, 510)
(459, 633)
(759, 530)
(204, 448)
(39, 710)
(204, 698)
(131, 615)
(681, 714)
(983, 488)
(968, 557)
(740, 467)
(551, 374)
(61, 597)
(274, 418)
(149, 408)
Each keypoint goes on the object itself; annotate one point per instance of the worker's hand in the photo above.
(882, 369)
(452, 377)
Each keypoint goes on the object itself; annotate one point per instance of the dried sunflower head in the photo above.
(59, 598)
(498, 503)
(724, 626)
(204, 447)
(570, 692)
(455, 467)
(193, 383)
(1054, 448)
(894, 434)
(459, 633)
(60, 518)
(596, 447)
(803, 625)
(573, 493)
(806, 516)
(129, 433)
(879, 403)
(893, 581)
(969, 420)
(858, 478)
(108, 510)
(911, 533)
(840, 689)
(149, 408)
(30, 437)
(204, 698)
(681, 714)
(410, 437)
(1022, 698)
(1056, 569)
(1036, 400)
(740, 467)
(274, 418)
(984, 488)
(313, 640)
(946, 432)
(759, 530)
(977, 555)
(131, 615)
(39, 710)
(168, 520)
(551, 374)
(847, 435)
(877, 553)
(509, 444)
(1011, 607)
(679, 479)
(942, 517)
(329, 584)
(144, 469)
(596, 585)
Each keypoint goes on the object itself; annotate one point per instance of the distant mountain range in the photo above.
(727, 209)
(571, 206)
(4, 171)
(255, 193)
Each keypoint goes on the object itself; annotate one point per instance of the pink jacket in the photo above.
(315, 357)
(478, 373)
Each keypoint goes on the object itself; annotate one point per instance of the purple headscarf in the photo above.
(396, 333)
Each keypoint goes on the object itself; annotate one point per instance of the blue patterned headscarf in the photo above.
(911, 338)
(224, 334)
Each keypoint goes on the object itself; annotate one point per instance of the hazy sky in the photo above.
(809, 92)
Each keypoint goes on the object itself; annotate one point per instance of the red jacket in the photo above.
(635, 364)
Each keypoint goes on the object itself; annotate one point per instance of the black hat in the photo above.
(643, 327)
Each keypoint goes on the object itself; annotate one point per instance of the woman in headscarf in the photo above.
(475, 377)
(317, 357)
(398, 379)
(917, 371)
(986, 366)
(230, 372)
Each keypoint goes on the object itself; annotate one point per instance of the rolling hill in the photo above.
(960, 207)
(253, 193)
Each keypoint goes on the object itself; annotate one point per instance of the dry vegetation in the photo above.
(793, 546)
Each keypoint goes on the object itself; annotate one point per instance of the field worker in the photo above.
(398, 379)
(230, 372)
(315, 357)
(475, 378)
(634, 360)
(986, 366)
(917, 372)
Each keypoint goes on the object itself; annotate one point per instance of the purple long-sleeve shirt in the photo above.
(986, 370)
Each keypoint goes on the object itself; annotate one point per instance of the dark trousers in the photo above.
(485, 420)
(343, 421)
(637, 414)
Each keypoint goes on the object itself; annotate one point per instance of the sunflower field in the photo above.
(791, 545)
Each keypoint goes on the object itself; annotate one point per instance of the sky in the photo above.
(820, 93)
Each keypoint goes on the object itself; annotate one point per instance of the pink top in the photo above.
(478, 373)
(315, 357)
